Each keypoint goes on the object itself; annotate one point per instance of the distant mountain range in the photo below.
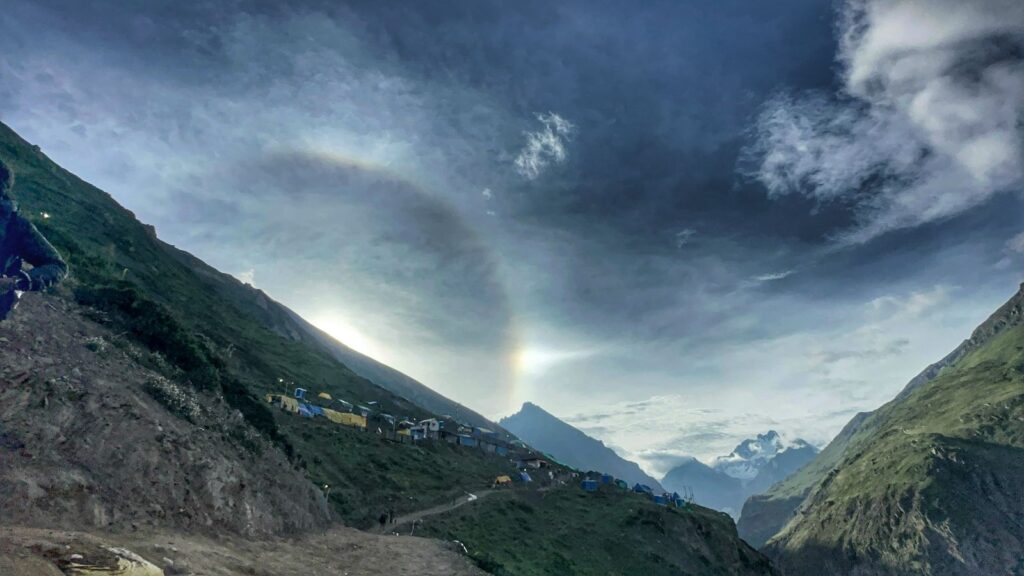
(570, 446)
(751, 468)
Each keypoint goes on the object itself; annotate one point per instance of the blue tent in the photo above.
(300, 393)
(316, 410)
(642, 489)
(606, 478)
(305, 410)
(660, 500)
(467, 441)
(589, 485)
(525, 477)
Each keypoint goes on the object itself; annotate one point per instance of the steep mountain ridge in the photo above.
(390, 378)
(929, 482)
(766, 514)
(544, 431)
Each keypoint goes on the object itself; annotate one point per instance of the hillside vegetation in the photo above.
(567, 531)
(929, 483)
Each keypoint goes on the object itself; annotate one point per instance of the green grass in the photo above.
(943, 462)
(369, 474)
(567, 531)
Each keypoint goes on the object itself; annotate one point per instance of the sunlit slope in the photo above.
(930, 483)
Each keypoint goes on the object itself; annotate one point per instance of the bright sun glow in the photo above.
(533, 361)
(338, 327)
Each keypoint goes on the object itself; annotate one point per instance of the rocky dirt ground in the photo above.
(335, 552)
(89, 457)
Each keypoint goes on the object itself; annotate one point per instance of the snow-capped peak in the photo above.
(751, 455)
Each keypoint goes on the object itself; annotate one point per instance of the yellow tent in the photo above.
(345, 418)
(502, 480)
(324, 395)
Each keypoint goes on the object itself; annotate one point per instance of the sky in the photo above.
(674, 225)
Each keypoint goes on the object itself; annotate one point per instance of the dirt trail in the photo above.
(439, 509)
(338, 551)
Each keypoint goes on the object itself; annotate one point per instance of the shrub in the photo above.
(178, 400)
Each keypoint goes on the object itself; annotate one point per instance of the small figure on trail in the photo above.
(383, 519)
(20, 244)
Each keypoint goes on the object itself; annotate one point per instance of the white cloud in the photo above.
(545, 146)
(247, 277)
(773, 276)
(927, 125)
(683, 237)
(1016, 244)
(487, 193)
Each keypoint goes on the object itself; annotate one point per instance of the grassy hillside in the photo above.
(221, 336)
(930, 483)
(567, 531)
(766, 514)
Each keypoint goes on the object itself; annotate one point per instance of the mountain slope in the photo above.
(543, 431)
(766, 514)
(930, 482)
(711, 488)
(568, 532)
(391, 379)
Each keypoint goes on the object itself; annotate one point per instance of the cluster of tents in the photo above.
(296, 406)
(590, 484)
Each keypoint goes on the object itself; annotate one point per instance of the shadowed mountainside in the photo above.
(543, 431)
(930, 482)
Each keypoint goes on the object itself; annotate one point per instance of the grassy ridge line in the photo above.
(933, 483)
(767, 514)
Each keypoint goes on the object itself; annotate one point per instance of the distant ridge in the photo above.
(569, 445)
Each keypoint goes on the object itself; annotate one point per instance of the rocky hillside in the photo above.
(930, 482)
(90, 437)
(546, 432)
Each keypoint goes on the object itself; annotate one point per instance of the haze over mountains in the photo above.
(540, 429)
